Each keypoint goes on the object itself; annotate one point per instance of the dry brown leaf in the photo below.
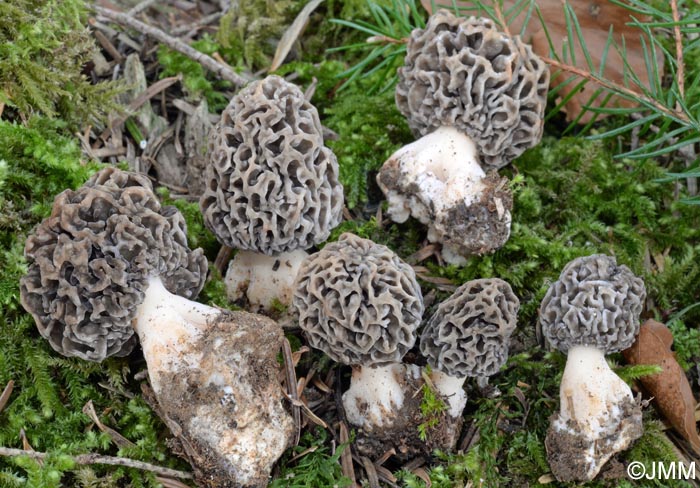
(292, 34)
(595, 19)
(670, 388)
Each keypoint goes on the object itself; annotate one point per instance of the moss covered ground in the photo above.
(572, 197)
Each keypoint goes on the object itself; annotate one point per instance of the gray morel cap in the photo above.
(271, 184)
(469, 333)
(595, 302)
(463, 72)
(89, 263)
(358, 302)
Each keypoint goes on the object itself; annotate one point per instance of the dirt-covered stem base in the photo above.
(598, 417)
(215, 378)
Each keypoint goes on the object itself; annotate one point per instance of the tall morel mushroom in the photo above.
(272, 188)
(477, 98)
(468, 336)
(111, 264)
(591, 310)
(361, 305)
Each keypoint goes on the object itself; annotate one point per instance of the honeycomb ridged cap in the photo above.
(463, 72)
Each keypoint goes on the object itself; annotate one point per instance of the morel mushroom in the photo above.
(272, 188)
(361, 305)
(110, 262)
(591, 310)
(477, 98)
(468, 336)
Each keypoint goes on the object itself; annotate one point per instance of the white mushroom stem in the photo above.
(445, 167)
(591, 394)
(263, 279)
(168, 325)
(438, 180)
(376, 394)
(451, 388)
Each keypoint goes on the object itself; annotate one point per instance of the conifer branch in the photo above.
(92, 458)
(616, 87)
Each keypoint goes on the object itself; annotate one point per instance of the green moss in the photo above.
(370, 129)
(197, 82)
(43, 48)
(251, 30)
(317, 467)
(686, 343)
(431, 408)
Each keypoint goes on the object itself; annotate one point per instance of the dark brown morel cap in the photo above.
(89, 263)
(358, 302)
(469, 333)
(271, 184)
(463, 72)
(595, 302)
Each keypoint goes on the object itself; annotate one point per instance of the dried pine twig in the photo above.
(605, 83)
(137, 9)
(617, 88)
(680, 69)
(224, 72)
(92, 458)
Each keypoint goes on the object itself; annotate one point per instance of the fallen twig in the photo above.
(117, 438)
(371, 471)
(206, 61)
(5, 396)
(616, 88)
(291, 380)
(222, 259)
(140, 7)
(292, 34)
(204, 21)
(92, 458)
(346, 456)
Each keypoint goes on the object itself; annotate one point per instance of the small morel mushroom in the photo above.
(361, 305)
(468, 336)
(591, 310)
(477, 98)
(111, 264)
(272, 188)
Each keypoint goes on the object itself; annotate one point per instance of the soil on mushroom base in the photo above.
(404, 434)
(475, 225)
(244, 399)
(564, 447)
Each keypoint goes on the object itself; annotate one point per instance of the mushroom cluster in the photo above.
(361, 305)
(111, 264)
(272, 188)
(477, 98)
(592, 310)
